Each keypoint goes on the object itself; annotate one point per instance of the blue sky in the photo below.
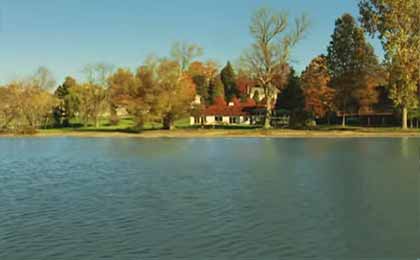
(64, 35)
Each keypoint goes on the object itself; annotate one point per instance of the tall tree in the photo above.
(176, 92)
(92, 102)
(65, 111)
(397, 22)
(216, 90)
(351, 60)
(315, 83)
(271, 50)
(228, 78)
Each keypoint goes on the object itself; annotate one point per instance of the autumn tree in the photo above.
(244, 84)
(135, 93)
(92, 96)
(176, 91)
(202, 75)
(158, 92)
(397, 23)
(228, 77)
(25, 106)
(271, 49)
(315, 80)
(351, 61)
(92, 102)
(9, 107)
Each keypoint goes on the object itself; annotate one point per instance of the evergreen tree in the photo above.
(216, 89)
(228, 78)
(351, 62)
(63, 113)
(292, 97)
(202, 88)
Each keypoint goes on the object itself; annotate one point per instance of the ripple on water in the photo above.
(232, 198)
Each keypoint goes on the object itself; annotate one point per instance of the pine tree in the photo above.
(228, 78)
(64, 112)
(291, 98)
(351, 60)
(216, 89)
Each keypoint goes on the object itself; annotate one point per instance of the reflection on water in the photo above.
(69, 198)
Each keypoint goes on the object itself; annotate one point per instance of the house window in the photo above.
(196, 120)
(204, 120)
(219, 119)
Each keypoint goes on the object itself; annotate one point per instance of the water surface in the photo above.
(70, 198)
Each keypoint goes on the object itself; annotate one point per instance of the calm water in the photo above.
(69, 198)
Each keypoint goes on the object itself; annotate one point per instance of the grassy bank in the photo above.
(125, 128)
(210, 133)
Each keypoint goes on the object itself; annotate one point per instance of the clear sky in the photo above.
(64, 35)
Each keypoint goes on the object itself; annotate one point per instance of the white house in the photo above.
(224, 115)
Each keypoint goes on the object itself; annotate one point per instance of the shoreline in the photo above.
(222, 133)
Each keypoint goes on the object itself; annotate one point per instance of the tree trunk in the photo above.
(168, 122)
(343, 122)
(267, 120)
(404, 117)
(97, 121)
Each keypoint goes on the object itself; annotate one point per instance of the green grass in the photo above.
(127, 125)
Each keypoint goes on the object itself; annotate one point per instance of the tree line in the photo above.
(348, 78)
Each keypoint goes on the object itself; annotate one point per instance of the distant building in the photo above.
(223, 115)
(197, 100)
(239, 114)
(261, 93)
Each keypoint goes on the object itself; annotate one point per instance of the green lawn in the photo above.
(125, 124)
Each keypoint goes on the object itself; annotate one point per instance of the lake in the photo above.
(71, 198)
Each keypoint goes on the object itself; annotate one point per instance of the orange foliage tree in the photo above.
(319, 96)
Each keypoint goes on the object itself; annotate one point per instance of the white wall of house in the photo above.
(210, 120)
(226, 120)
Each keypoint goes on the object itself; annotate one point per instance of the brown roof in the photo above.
(238, 110)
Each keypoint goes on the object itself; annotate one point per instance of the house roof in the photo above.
(237, 110)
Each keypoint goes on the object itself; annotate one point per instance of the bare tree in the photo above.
(184, 53)
(271, 49)
(98, 73)
(43, 79)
